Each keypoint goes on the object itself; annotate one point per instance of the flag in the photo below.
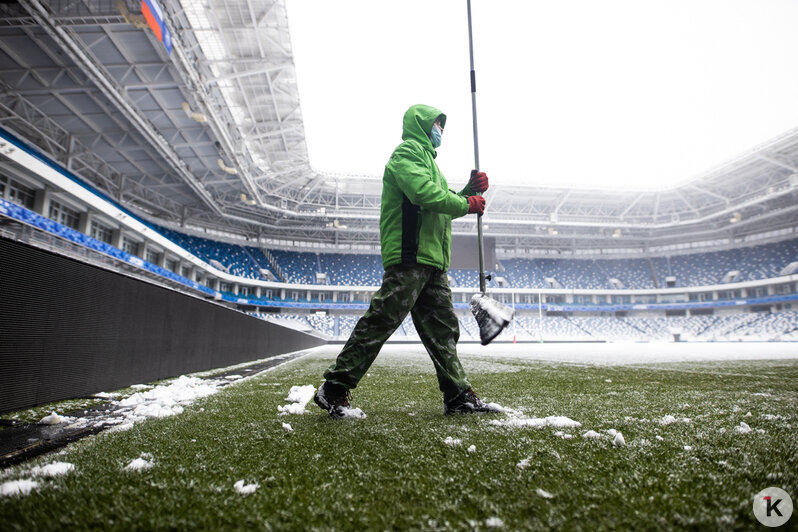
(153, 14)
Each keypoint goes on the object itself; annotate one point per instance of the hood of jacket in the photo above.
(417, 124)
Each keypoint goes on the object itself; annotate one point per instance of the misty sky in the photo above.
(629, 94)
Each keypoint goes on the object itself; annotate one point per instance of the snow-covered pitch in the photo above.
(652, 435)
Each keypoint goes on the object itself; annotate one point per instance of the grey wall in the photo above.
(69, 329)
(465, 252)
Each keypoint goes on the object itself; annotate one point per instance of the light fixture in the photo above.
(245, 199)
(736, 218)
(338, 225)
(616, 233)
(552, 231)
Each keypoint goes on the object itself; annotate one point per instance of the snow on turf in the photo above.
(591, 435)
(287, 427)
(298, 398)
(494, 522)
(619, 440)
(472, 449)
(18, 487)
(106, 395)
(614, 353)
(352, 413)
(245, 489)
(669, 419)
(167, 399)
(543, 493)
(142, 462)
(453, 442)
(55, 419)
(742, 428)
(52, 470)
(516, 419)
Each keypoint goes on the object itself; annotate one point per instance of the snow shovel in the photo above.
(492, 317)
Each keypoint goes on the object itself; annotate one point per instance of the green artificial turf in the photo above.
(393, 470)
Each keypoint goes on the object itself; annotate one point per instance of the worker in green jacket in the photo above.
(416, 239)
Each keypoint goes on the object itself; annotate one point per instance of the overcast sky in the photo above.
(611, 93)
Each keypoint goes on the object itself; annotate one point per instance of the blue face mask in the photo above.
(435, 135)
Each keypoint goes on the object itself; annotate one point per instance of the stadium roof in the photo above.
(211, 135)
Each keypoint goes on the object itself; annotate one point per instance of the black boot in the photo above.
(333, 398)
(467, 403)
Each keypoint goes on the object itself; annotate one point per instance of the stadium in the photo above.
(177, 274)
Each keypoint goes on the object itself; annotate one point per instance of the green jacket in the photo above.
(417, 206)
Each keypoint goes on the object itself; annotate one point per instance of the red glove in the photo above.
(478, 181)
(476, 204)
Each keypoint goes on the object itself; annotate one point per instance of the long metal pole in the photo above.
(476, 146)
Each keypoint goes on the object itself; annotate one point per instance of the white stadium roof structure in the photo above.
(211, 136)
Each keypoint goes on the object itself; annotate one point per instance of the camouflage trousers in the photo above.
(424, 292)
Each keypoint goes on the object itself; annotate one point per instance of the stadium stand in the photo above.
(697, 269)
(351, 270)
(236, 260)
(297, 267)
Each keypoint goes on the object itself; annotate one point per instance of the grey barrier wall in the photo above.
(69, 329)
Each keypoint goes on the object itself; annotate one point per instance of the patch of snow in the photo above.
(287, 427)
(618, 441)
(612, 432)
(140, 386)
(658, 437)
(516, 419)
(122, 427)
(54, 419)
(167, 399)
(494, 522)
(291, 409)
(233, 377)
(106, 395)
(742, 428)
(523, 464)
(669, 419)
(298, 398)
(52, 470)
(543, 493)
(472, 449)
(301, 394)
(353, 413)
(688, 447)
(140, 463)
(245, 489)
(18, 487)
(453, 442)
(591, 435)
(496, 407)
